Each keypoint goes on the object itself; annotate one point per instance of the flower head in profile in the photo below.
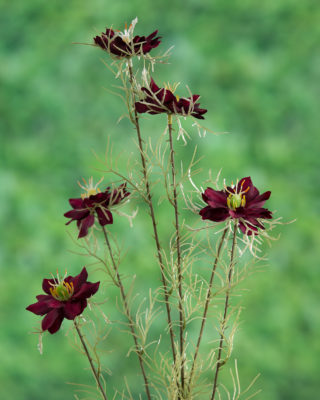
(65, 298)
(241, 201)
(163, 100)
(94, 204)
(124, 44)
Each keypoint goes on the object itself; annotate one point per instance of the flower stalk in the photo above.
(220, 363)
(128, 314)
(178, 246)
(94, 371)
(206, 307)
(152, 214)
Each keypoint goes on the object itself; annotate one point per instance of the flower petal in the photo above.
(76, 203)
(214, 214)
(88, 289)
(46, 285)
(85, 224)
(104, 216)
(78, 280)
(52, 320)
(259, 200)
(74, 308)
(39, 308)
(77, 214)
(215, 198)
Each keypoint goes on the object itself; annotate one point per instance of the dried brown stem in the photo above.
(206, 307)
(153, 218)
(226, 305)
(178, 246)
(128, 314)
(95, 373)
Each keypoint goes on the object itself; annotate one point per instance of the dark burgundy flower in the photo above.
(64, 298)
(163, 100)
(242, 201)
(94, 203)
(124, 44)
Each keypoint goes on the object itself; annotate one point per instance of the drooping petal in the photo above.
(56, 325)
(259, 200)
(76, 203)
(88, 289)
(74, 308)
(214, 214)
(39, 308)
(215, 198)
(104, 216)
(77, 214)
(85, 224)
(47, 284)
(247, 229)
(51, 320)
(78, 280)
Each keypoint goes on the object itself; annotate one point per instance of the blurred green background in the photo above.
(256, 66)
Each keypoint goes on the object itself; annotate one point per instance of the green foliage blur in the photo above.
(256, 66)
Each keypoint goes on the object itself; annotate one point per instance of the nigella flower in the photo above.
(163, 100)
(64, 298)
(94, 203)
(241, 201)
(124, 44)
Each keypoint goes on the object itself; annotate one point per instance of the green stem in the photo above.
(226, 305)
(153, 218)
(128, 314)
(178, 246)
(206, 307)
(95, 373)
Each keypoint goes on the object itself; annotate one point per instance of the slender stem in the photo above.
(95, 373)
(206, 307)
(153, 218)
(178, 245)
(128, 314)
(226, 304)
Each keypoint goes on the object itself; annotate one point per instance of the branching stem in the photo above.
(226, 305)
(94, 371)
(178, 246)
(128, 314)
(152, 214)
(206, 307)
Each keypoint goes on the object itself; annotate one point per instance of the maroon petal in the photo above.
(259, 201)
(215, 198)
(46, 285)
(88, 289)
(258, 213)
(77, 214)
(246, 184)
(247, 229)
(43, 297)
(74, 308)
(104, 216)
(39, 308)
(141, 108)
(51, 320)
(56, 325)
(85, 224)
(76, 203)
(153, 86)
(214, 214)
(78, 280)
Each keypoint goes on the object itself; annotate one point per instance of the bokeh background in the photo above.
(256, 66)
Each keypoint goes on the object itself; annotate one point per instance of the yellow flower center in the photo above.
(89, 188)
(237, 199)
(62, 291)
